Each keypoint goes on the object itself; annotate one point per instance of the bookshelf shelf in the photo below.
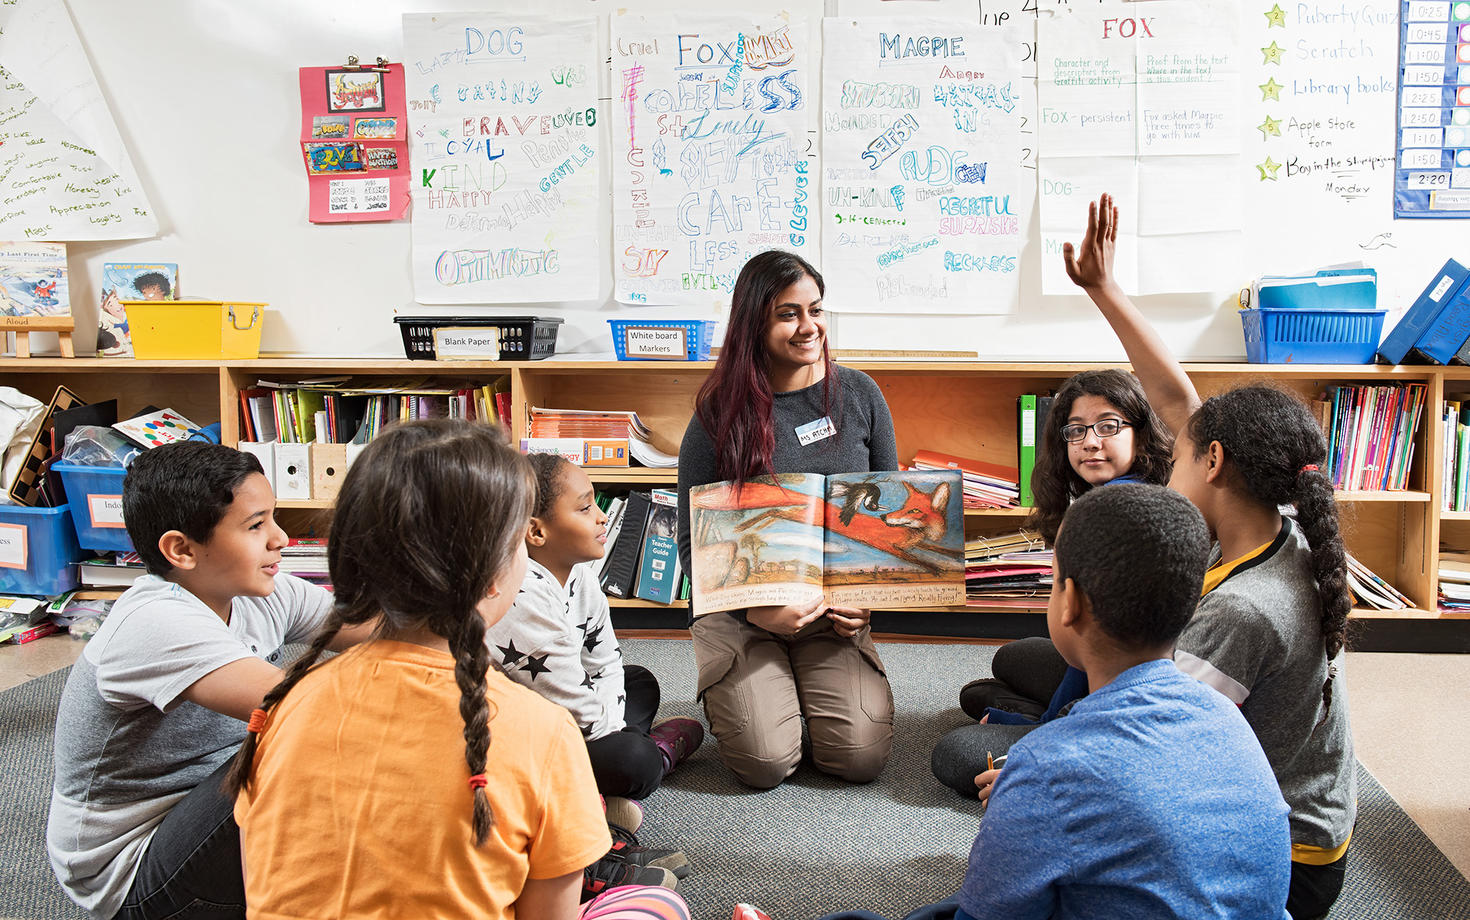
(961, 407)
(304, 503)
(638, 602)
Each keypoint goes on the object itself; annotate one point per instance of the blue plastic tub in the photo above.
(95, 496)
(663, 339)
(38, 551)
(1307, 336)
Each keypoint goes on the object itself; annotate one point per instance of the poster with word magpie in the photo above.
(1133, 90)
(714, 161)
(505, 156)
(921, 185)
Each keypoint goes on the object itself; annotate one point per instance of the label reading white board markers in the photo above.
(655, 342)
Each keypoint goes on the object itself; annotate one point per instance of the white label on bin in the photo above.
(105, 510)
(655, 342)
(13, 546)
(467, 342)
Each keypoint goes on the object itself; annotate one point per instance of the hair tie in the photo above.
(256, 725)
(478, 781)
(1309, 468)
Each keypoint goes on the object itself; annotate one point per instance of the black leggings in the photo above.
(628, 763)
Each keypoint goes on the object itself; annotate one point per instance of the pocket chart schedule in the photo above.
(1433, 175)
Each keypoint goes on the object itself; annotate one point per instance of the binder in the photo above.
(1425, 310)
(1026, 446)
(619, 576)
(1444, 338)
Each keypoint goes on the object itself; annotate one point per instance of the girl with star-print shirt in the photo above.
(558, 640)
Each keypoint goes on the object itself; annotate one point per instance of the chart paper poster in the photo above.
(64, 173)
(711, 154)
(1432, 178)
(1143, 101)
(921, 185)
(506, 157)
(354, 142)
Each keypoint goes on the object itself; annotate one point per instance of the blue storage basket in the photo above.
(38, 551)
(698, 336)
(1307, 336)
(95, 496)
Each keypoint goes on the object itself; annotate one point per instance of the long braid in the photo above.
(1316, 512)
(471, 662)
(239, 775)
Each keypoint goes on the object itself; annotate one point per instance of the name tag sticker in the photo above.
(815, 431)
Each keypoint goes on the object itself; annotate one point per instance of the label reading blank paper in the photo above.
(13, 546)
(464, 342)
(106, 511)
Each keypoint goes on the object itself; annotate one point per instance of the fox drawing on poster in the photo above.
(889, 539)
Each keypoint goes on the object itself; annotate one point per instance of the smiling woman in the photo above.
(775, 403)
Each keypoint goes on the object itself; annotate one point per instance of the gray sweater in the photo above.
(864, 440)
(1257, 638)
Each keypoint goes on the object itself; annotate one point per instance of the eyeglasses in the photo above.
(1103, 429)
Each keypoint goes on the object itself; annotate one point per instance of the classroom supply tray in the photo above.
(38, 550)
(1301, 335)
(194, 328)
(509, 338)
(662, 339)
(95, 496)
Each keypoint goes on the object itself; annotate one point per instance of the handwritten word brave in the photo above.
(515, 92)
(466, 266)
(887, 144)
(857, 95)
(897, 46)
(798, 212)
(488, 126)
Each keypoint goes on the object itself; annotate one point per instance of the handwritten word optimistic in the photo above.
(857, 95)
(466, 266)
(798, 211)
(887, 144)
(896, 46)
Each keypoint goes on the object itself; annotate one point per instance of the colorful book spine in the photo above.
(1026, 446)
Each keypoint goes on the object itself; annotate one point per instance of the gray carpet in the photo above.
(810, 846)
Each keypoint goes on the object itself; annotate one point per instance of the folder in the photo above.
(1026, 446)
(1425, 310)
(293, 470)
(1445, 336)
(328, 467)
(1328, 289)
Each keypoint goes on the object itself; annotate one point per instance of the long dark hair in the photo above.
(734, 404)
(1271, 439)
(427, 518)
(1055, 484)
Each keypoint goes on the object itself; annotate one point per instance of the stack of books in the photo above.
(1454, 419)
(1371, 591)
(598, 425)
(1011, 570)
(337, 411)
(987, 485)
(306, 558)
(1454, 581)
(111, 570)
(1370, 438)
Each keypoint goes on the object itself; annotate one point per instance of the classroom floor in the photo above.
(1411, 727)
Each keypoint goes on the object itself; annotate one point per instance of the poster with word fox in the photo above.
(886, 540)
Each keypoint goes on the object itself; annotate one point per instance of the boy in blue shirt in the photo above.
(1152, 799)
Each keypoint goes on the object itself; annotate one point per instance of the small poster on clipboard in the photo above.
(354, 141)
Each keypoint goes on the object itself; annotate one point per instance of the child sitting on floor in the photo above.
(558, 640)
(1152, 798)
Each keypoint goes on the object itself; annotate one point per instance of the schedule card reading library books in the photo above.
(881, 539)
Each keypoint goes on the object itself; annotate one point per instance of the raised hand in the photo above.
(1091, 265)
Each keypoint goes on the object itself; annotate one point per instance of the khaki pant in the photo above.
(757, 688)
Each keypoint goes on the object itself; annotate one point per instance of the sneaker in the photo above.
(625, 813)
(677, 738)
(613, 873)
(627, 849)
(746, 912)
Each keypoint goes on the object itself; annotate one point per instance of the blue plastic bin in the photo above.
(1306, 336)
(38, 551)
(95, 496)
(698, 335)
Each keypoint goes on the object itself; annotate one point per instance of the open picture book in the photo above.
(878, 539)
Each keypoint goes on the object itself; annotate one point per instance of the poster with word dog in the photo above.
(922, 193)
(714, 160)
(354, 142)
(880, 539)
(506, 157)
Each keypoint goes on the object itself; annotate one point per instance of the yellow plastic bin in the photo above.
(194, 328)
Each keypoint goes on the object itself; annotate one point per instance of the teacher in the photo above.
(776, 403)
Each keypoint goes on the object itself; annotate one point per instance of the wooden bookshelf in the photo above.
(952, 406)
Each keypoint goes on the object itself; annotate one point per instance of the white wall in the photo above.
(205, 96)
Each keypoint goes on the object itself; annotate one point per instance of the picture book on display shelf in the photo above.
(130, 281)
(889, 540)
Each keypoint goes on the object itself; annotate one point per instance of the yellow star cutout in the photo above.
(1276, 16)
(1272, 54)
(1269, 128)
(1271, 90)
(1268, 169)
